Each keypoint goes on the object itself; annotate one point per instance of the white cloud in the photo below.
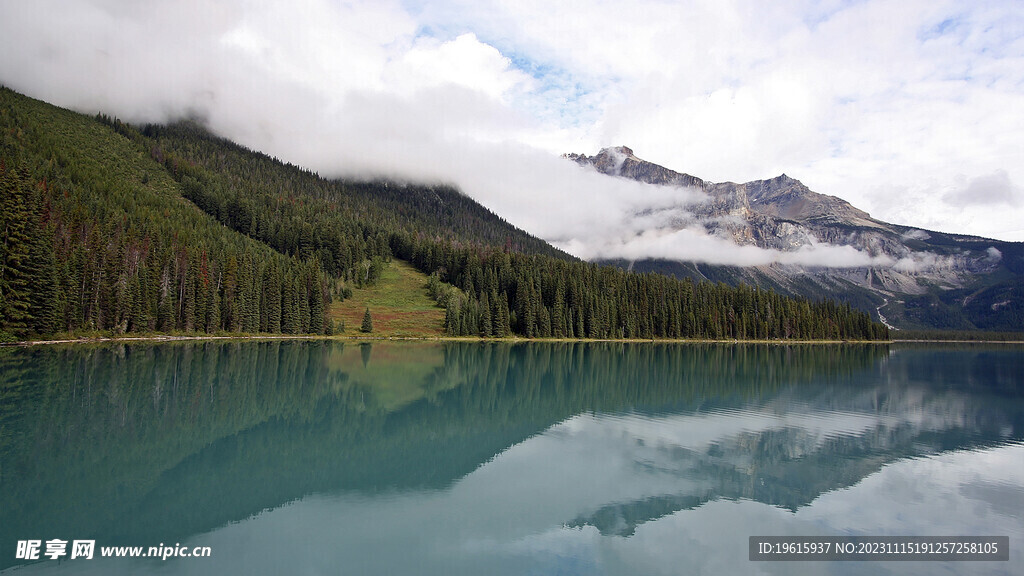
(694, 244)
(909, 110)
(464, 61)
(855, 99)
(990, 190)
(916, 235)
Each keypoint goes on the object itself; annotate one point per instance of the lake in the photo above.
(324, 457)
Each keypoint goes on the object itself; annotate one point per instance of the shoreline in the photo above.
(175, 338)
(212, 337)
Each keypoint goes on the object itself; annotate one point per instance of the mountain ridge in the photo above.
(106, 227)
(926, 279)
(622, 162)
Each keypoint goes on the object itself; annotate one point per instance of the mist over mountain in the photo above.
(112, 227)
(778, 233)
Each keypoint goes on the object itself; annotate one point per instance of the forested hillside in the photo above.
(108, 226)
(96, 236)
(343, 223)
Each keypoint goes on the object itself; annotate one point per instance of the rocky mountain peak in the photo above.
(618, 150)
(788, 198)
(784, 180)
(620, 161)
(919, 279)
(781, 197)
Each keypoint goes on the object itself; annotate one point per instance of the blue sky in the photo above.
(910, 110)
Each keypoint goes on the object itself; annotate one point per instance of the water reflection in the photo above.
(496, 458)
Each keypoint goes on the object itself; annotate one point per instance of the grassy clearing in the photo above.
(398, 303)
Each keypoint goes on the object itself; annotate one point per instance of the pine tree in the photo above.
(213, 310)
(188, 322)
(202, 292)
(270, 302)
(452, 317)
(290, 322)
(165, 308)
(504, 327)
(15, 242)
(41, 270)
(317, 295)
(231, 309)
(249, 295)
(138, 319)
(367, 322)
(305, 317)
(486, 327)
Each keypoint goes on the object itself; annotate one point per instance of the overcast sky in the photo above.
(911, 110)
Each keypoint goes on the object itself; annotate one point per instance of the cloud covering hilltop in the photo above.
(909, 111)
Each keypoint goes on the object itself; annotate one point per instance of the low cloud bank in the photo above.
(594, 216)
(358, 89)
(696, 246)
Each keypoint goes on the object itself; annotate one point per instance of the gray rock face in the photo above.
(620, 161)
(764, 203)
(924, 279)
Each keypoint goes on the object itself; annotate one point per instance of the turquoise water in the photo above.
(320, 457)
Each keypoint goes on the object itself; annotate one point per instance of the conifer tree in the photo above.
(318, 298)
(367, 322)
(15, 246)
(213, 310)
(41, 270)
(302, 293)
(290, 321)
(271, 299)
(188, 321)
(249, 294)
(504, 327)
(165, 309)
(486, 326)
(231, 310)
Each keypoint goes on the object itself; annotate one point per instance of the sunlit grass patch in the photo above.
(398, 303)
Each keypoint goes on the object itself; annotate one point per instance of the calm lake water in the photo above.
(292, 457)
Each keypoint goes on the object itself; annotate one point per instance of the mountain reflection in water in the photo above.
(537, 457)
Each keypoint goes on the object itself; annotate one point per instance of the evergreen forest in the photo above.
(109, 227)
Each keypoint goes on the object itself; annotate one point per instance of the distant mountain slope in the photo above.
(915, 278)
(237, 181)
(116, 228)
(507, 282)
